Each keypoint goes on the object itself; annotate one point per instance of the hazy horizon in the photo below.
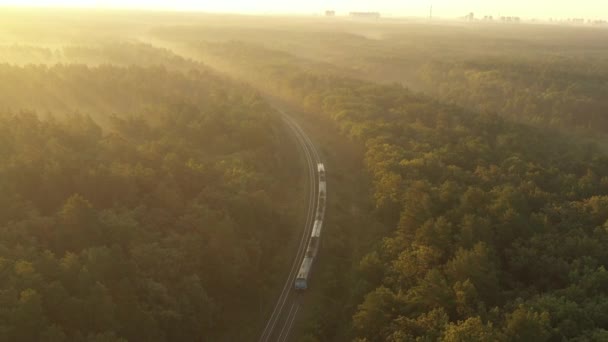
(591, 9)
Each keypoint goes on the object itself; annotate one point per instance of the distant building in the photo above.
(510, 19)
(330, 13)
(365, 15)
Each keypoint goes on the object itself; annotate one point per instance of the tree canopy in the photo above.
(160, 224)
(499, 227)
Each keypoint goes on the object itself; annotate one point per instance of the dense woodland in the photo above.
(145, 228)
(144, 197)
(542, 75)
(499, 228)
(559, 93)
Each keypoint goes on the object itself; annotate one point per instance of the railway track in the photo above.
(281, 321)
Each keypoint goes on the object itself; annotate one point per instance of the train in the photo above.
(301, 282)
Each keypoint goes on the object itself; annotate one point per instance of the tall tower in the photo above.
(431, 13)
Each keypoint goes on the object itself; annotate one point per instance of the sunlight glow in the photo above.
(524, 8)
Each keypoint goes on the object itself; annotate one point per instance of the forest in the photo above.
(547, 76)
(149, 190)
(144, 223)
(499, 227)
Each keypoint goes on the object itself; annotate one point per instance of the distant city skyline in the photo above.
(591, 9)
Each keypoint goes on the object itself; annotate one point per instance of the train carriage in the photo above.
(316, 229)
(301, 282)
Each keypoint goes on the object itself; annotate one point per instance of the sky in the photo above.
(592, 9)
